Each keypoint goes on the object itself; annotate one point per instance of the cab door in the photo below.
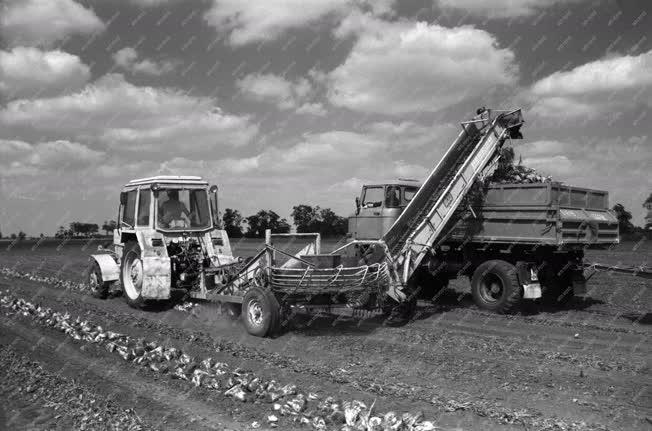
(369, 222)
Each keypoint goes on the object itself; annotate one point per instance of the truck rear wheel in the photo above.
(495, 286)
(260, 312)
(131, 275)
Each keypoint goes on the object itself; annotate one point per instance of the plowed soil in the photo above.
(584, 366)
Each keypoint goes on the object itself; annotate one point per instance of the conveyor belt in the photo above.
(424, 219)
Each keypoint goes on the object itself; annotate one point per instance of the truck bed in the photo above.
(544, 213)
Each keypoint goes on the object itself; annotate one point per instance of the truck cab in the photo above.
(378, 207)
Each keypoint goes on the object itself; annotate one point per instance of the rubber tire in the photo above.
(130, 247)
(271, 312)
(102, 289)
(506, 272)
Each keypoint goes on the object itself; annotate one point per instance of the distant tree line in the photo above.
(77, 229)
(305, 217)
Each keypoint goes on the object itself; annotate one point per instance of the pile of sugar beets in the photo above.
(509, 172)
(285, 400)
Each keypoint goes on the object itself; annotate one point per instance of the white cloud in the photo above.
(316, 109)
(22, 158)
(261, 21)
(28, 72)
(594, 88)
(619, 166)
(152, 3)
(376, 148)
(402, 67)
(501, 8)
(44, 22)
(129, 118)
(283, 93)
(127, 58)
(270, 88)
(255, 21)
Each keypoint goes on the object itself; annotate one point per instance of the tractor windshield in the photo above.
(182, 209)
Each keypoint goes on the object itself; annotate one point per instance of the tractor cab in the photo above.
(379, 205)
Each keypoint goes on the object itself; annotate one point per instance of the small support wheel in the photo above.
(98, 287)
(260, 312)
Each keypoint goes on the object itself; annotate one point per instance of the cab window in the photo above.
(408, 194)
(129, 209)
(373, 197)
(143, 207)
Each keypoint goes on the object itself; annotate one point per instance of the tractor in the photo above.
(168, 243)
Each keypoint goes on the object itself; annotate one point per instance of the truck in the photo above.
(517, 241)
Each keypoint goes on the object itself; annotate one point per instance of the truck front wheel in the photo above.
(495, 286)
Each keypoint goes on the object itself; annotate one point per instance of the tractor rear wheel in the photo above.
(131, 275)
(495, 286)
(260, 312)
(98, 287)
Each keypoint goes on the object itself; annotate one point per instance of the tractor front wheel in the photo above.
(260, 312)
(98, 287)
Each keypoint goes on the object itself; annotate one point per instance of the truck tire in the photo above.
(131, 275)
(495, 286)
(97, 286)
(260, 312)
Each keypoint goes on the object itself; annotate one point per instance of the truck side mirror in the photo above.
(123, 198)
(357, 205)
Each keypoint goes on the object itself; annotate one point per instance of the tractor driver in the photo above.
(171, 211)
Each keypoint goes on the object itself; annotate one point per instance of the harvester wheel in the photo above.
(495, 286)
(131, 275)
(98, 287)
(260, 312)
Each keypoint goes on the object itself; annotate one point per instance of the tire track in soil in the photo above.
(34, 398)
(111, 380)
(90, 347)
(359, 379)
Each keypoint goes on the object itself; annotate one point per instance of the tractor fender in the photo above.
(108, 266)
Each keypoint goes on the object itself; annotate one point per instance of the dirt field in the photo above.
(586, 366)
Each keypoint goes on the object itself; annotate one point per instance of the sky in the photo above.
(283, 102)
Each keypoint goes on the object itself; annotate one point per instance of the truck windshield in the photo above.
(182, 209)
